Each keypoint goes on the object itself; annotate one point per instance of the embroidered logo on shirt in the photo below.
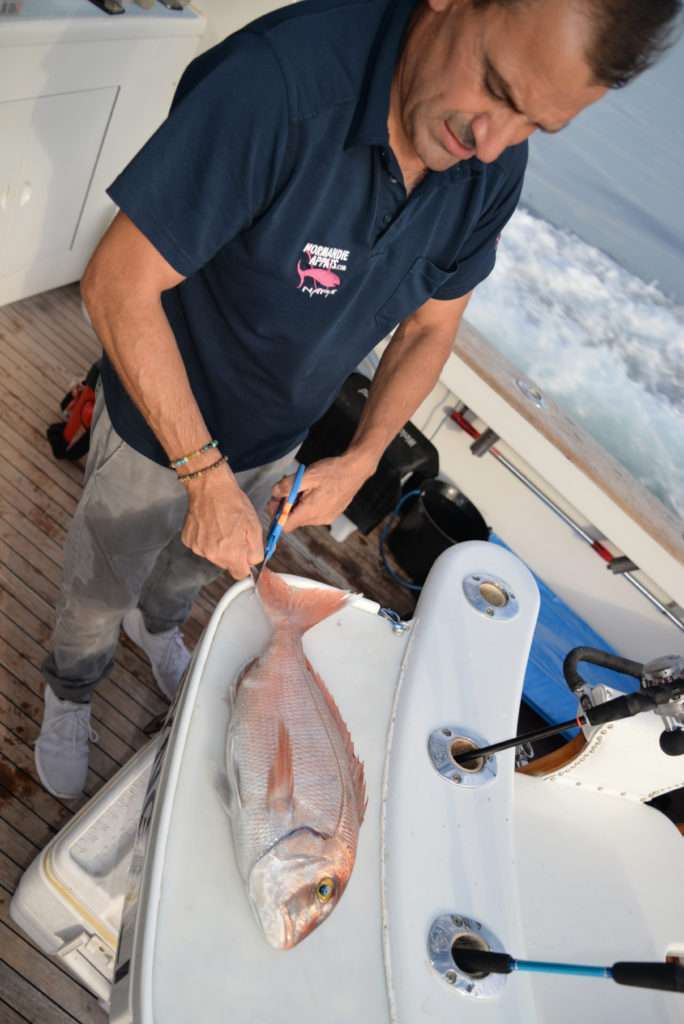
(319, 269)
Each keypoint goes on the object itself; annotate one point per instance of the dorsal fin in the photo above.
(358, 774)
(280, 786)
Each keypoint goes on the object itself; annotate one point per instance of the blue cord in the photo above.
(552, 968)
(390, 572)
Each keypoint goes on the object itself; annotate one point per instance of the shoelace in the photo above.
(77, 721)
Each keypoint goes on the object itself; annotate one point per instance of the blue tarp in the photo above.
(559, 629)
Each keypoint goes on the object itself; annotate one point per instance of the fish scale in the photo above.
(315, 754)
(297, 701)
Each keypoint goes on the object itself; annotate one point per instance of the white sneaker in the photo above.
(61, 750)
(167, 652)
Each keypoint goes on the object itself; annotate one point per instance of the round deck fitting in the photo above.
(453, 930)
(444, 746)
(531, 392)
(491, 596)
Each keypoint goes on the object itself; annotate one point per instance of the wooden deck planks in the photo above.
(45, 346)
(27, 999)
(10, 1016)
(15, 846)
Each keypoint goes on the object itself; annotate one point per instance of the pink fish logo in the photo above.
(318, 275)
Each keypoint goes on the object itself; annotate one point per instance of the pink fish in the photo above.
(317, 274)
(297, 789)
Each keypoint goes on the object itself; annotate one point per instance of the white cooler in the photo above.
(71, 898)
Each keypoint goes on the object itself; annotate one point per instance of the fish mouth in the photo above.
(276, 925)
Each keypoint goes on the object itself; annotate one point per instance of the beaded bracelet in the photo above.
(177, 463)
(198, 472)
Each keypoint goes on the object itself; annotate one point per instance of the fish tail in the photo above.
(301, 608)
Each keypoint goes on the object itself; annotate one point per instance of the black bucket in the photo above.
(439, 516)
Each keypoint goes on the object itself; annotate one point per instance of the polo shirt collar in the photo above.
(369, 124)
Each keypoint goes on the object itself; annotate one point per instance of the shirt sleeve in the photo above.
(478, 255)
(216, 161)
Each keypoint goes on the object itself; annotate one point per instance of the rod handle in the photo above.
(666, 977)
(482, 961)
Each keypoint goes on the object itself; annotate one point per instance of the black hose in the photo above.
(601, 658)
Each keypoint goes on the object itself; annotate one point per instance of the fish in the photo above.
(297, 790)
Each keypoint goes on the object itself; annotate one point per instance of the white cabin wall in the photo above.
(226, 16)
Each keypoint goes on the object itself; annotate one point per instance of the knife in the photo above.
(278, 522)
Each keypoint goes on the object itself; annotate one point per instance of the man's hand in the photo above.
(222, 524)
(328, 486)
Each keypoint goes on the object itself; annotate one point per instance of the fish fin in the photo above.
(231, 796)
(358, 774)
(242, 674)
(231, 788)
(280, 786)
(224, 791)
(300, 607)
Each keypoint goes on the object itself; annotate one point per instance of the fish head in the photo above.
(297, 884)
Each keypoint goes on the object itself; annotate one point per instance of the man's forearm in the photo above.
(138, 339)
(122, 288)
(408, 371)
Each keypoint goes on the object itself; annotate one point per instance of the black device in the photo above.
(410, 455)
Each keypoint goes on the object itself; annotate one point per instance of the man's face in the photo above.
(473, 82)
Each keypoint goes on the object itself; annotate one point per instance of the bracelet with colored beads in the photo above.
(198, 472)
(177, 463)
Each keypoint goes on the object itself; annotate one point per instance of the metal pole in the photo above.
(459, 417)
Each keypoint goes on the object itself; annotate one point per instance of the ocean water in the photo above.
(607, 346)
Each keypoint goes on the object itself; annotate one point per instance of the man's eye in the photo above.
(493, 93)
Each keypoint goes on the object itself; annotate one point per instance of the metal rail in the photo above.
(458, 416)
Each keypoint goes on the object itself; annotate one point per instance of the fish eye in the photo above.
(325, 890)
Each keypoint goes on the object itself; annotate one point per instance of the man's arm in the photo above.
(122, 288)
(408, 370)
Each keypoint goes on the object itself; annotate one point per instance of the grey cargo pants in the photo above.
(124, 550)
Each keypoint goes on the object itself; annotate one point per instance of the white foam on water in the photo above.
(608, 347)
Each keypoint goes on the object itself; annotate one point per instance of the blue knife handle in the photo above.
(280, 518)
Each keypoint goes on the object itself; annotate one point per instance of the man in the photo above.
(337, 168)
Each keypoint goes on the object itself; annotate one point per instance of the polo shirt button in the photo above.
(387, 218)
(393, 180)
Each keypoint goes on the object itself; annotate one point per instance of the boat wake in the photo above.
(608, 347)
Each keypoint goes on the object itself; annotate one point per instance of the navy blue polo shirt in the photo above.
(272, 187)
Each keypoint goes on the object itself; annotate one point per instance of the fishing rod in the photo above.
(662, 691)
(667, 977)
(613, 710)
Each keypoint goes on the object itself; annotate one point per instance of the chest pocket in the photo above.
(421, 282)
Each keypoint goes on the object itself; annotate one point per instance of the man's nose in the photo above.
(495, 131)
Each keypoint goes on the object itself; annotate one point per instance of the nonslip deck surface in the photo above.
(45, 347)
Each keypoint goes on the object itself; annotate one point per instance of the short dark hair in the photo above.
(629, 35)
